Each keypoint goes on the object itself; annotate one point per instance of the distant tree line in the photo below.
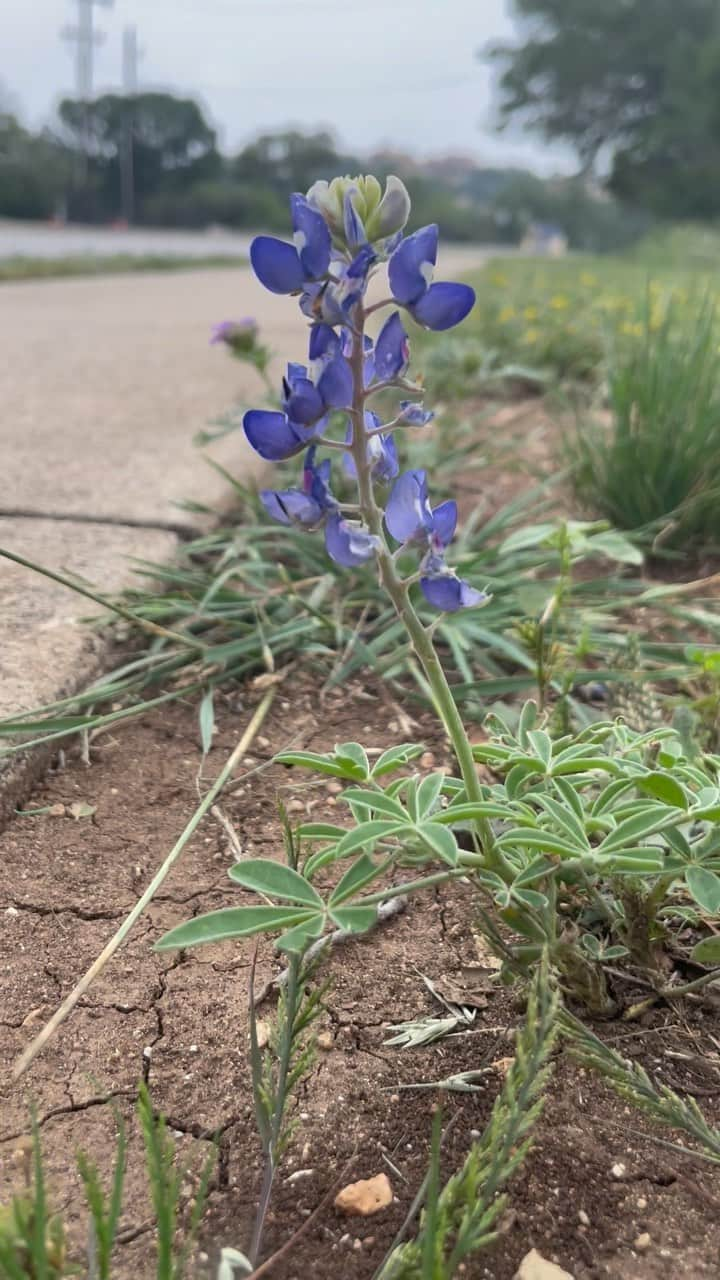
(632, 85)
(154, 159)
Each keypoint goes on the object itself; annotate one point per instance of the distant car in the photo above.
(546, 239)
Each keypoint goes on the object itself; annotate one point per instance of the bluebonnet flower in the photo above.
(342, 229)
(306, 400)
(411, 520)
(410, 271)
(349, 543)
(416, 415)
(380, 448)
(307, 507)
(285, 268)
(392, 350)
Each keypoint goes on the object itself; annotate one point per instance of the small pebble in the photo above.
(642, 1243)
(641, 1202)
(295, 806)
(325, 1041)
(427, 760)
(583, 1217)
(618, 1170)
(334, 787)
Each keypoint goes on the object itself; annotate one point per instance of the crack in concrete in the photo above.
(186, 532)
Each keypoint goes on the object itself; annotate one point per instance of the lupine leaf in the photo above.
(704, 886)
(663, 787)
(380, 801)
(441, 841)
(230, 922)
(362, 871)
(395, 757)
(275, 880)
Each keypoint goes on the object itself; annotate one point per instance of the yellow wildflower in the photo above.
(498, 279)
(530, 313)
(559, 302)
(530, 336)
(506, 314)
(632, 330)
(587, 279)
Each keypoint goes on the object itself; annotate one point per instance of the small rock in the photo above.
(535, 1267)
(262, 1031)
(325, 1041)
(295, 806)
(427, 760)
(642, 1242)
(11, 911)
(57, 811)
(641, 1202)
(368, 1196)
(583, 1217)
(334, 787)
(618, 1170)
(503, 1065)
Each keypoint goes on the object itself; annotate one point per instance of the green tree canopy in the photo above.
(636, 82)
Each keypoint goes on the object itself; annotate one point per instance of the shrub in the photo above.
(656, 464)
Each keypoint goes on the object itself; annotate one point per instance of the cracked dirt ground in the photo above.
(68, 882)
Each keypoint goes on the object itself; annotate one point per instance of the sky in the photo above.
(400, 73)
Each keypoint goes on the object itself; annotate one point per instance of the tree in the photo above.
(33, 172)
(291, 161)
(633, 82)
(173, 146)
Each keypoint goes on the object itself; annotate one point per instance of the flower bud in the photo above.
(392, 213)
(381, 215)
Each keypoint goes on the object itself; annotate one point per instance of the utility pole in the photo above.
(86, 39)
(130, 57)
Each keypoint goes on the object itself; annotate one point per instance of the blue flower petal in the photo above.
(290, 506)
(335, 384)
(312, 237)
(352, 223)
(444, 520)
(415, 414)
(449, 593)
(323, 342)
(348, 544)
(276, 264)
(361, 263)
(273, 436)
(411, 266)
(392, 349)
(444, 305)
(302, 402)
(408, 514)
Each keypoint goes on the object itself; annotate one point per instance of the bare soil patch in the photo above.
(68, 881)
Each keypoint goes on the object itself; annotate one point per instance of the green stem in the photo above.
(397, 590)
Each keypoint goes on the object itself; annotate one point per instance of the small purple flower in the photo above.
(348, 543)
(285, 268)
(355, 235)
(410, 271)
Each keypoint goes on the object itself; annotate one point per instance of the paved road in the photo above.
(40, 240)
(103, 384)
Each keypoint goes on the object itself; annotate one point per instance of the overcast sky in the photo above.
(397, 72)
